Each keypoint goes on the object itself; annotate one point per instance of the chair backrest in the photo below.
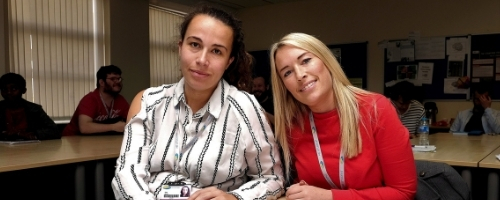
(60, 127)
(440, 181)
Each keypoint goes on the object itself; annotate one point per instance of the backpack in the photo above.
(439, 181)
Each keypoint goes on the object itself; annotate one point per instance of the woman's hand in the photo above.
(306, 192)
(211, 193)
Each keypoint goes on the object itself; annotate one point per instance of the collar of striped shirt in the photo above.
(214, 104)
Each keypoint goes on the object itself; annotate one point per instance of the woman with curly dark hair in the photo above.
(201, 131)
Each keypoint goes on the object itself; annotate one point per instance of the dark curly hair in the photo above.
(103, 72)
(239, 73)
(12, 78)
(482, 87)
(403, 89)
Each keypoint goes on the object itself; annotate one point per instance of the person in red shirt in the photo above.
(341, 141)
(102, 111)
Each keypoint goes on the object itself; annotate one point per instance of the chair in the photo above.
(60, 127)
(439, 181)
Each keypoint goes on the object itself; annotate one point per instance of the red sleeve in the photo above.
(88, 106)
(394, 154)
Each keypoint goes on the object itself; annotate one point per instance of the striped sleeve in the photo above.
(132, 165)
(261, 153)
(411, 118)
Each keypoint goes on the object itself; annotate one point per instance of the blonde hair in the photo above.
(288, 110)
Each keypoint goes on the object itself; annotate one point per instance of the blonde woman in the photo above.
(343, 142)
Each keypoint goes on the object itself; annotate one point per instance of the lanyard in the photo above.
(178, 151)
(106, 107)
(322, 162)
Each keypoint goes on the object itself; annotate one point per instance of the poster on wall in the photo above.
(451, 86)
(425, 72)
(393, 52)
(457, 46)
(455, 68)
(482, 68)
(407, 50)
(430, 48)
(406, 72)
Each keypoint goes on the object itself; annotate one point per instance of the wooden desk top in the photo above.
(491, 161)
(447, 135)
(70, 149)
(465, 151)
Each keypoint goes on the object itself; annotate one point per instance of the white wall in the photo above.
(129, 43)
(347, 21)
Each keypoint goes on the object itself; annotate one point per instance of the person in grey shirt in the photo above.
(481, 118)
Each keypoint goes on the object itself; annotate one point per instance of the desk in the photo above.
(491, 161)
(493, 178)
(466, 151)
(67, 150)
(70, 149)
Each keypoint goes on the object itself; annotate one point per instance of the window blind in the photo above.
(164, 52)
(57, 45)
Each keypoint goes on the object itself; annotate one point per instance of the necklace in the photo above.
(109, 110)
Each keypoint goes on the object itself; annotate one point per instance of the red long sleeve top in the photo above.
(384, 170)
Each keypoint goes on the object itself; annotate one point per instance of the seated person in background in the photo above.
(479, 118)
(321, 112)
(104, 110)
(260, 89)
(409, 110)
(21, 119)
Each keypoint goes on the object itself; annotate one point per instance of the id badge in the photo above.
(175, 191)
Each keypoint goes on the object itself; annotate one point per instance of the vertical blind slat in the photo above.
(60, 67)
(164, 56)
(64, 59)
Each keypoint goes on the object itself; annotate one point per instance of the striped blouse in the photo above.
(411, 118)
(235, 149)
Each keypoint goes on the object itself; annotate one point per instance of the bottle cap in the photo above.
(424, 118)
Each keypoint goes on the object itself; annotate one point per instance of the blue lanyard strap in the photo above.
(321, 160)
(179, 152)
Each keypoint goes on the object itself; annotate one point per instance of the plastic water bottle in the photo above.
(423, 132)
